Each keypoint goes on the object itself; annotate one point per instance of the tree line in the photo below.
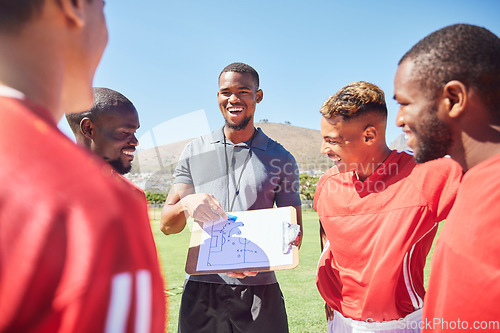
(306, 190)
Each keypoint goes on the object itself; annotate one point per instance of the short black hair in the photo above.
(239, 67)
(14, 13)
(105, 100)
(463, 52)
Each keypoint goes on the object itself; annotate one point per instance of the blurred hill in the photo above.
(399, 143)
(152, 168)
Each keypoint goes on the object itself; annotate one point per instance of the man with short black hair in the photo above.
(235, 168)
(76, 250)
(448, 88)
(108, 128)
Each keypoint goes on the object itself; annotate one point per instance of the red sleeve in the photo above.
(440, 180)
(319, 187)
(463, 284)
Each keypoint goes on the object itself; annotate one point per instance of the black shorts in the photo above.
(221, 308)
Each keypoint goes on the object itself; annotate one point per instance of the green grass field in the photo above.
(304, 305)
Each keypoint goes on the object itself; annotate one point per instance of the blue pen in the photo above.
(231, 217)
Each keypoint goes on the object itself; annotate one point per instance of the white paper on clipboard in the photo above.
(256, 240)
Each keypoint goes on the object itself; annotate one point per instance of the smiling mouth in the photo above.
(235, 110)
(129, 153)
(336, 159)
(409, 138)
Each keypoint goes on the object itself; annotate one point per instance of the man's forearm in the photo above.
(173, 218)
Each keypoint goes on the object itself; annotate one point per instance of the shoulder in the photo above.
(439, 168)
(402, 158)
(484, 173)
(56, 170)
(331, 174)
(272, 146)
(204, 142)
(133, 187)
(93, 183)
(437, 182)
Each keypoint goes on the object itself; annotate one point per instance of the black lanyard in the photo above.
(237, 184)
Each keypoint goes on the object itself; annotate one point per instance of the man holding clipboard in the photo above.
(235, 168)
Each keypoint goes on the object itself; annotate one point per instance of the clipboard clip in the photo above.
(290, 236)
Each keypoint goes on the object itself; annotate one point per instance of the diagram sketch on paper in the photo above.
(229, 246)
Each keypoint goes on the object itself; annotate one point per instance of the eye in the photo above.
(245, 92)
(121, 135)
(331, 142)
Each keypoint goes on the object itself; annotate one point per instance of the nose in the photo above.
(133, 141)
(325, 149)
(233, 98)
(400, 118)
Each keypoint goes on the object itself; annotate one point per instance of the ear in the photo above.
(87, 128)
(369, 134)
(74, 11)
(455, 95)
(260, 95)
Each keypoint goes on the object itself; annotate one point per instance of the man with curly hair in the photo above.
(378, 212)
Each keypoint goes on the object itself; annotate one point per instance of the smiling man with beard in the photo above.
(235, 168)
(448, 88)
(108, 128)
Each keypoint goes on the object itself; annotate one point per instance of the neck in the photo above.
(26, 65)
(83, 141)
(472, 150)
(238, 136)
(367, 168)
(476, 134)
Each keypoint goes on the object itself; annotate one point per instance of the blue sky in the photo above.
(165, 56)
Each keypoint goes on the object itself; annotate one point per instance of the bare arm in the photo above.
(322, 236)
(322, 240)
(183, 202)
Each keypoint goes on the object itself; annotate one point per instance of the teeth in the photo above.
(335, 159)
(130, 153)
(235, 109)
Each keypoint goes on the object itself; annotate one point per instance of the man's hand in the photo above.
(203, 207)
(242, 275)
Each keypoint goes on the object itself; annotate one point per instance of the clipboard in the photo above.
(254, 240)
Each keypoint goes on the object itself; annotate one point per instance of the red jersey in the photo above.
(380, 232)
(464, 285)
(76, 248)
